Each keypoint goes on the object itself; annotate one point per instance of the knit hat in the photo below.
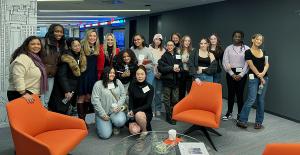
(158, 35)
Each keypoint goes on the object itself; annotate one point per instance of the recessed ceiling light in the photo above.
(53, 11)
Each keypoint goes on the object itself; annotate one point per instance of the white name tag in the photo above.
(111, 86)
(146, 89)
(141, 57)
(178, 56)
(266, 59)
(251, 76)
(238, 70)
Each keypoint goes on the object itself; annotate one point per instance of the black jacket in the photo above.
(165, 67)
(121, 68)
(66, 80)
(193, 65)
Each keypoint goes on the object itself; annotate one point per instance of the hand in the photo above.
(68, 95)
(130, 114)
(234, 77)
(126, 74)
(105, 117)
(238, 78)
(28, 98)
(157, 75)
(260, 75)
(263, 81)
(176, 69)
(198, 81)
(117, 109)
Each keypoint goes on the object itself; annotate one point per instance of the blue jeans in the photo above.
(104, 128)
(156, 105)
(217, 77)
(251, 98)
(150, 76)
(205, 77)
(46, 97)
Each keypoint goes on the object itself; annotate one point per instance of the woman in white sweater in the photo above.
(108, 97)
(27, 74)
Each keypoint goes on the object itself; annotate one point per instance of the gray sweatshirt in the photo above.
(102, 98)
(147, 54)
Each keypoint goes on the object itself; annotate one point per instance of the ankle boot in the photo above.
(89, 107)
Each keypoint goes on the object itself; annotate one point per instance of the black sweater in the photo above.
(138, 100)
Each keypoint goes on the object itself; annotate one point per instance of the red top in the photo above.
(101, 60)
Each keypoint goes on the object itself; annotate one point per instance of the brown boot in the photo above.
(81, 110)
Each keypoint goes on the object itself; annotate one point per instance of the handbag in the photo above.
(123, 107)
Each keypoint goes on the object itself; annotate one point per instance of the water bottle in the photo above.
(65, 100)
(260, 89)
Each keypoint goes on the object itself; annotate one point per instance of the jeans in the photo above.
(46, 97)
(205, 77)
(150, 76)
(104, 128)
(217, 77)
(251, 98)
(156, 105)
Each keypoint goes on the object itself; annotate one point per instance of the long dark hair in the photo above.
(105, 77)
(218, 46)
(143, 43)
(51, 37)
(160, 46)
(131, 55)
(23, 49)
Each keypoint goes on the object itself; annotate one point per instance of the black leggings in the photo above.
(235, 88)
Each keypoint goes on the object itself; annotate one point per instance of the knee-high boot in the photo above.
(81, 110)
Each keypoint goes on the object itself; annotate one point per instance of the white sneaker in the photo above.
(227, 117)
(116, 131)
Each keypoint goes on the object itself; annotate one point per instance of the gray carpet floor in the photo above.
(234, 141)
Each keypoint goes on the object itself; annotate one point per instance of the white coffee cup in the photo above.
(172, 134)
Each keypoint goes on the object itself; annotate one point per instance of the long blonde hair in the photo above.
(86, 45)
(114, 45)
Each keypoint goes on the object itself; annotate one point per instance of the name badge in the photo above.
(266, 59)
(251, 76)
(238, 70)
(141, 57)
(146, 89)
(178, 56)
(111, 86)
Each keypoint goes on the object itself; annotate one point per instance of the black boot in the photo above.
(89, 107)
(81, 110)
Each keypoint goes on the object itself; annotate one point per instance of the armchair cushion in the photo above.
(204, 118)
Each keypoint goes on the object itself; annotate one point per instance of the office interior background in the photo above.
(278, 21)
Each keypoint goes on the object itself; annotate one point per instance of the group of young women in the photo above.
(129, 87)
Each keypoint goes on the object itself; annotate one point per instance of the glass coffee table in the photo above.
(154, 143)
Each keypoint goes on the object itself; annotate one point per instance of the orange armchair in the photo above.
(202, 107)
(280, 149)
(37, 131)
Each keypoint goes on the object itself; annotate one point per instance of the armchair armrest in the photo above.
(58, 121)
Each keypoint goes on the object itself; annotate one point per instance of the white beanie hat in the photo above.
(158, 35)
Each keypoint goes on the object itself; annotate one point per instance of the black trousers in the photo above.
(185, 84)
(235, 88)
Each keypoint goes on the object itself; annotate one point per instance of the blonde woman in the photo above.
(108, 53)
(258, 82)
(90, 47)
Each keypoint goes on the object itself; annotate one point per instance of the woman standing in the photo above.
(185, 83)
(27, 71)
(143, 55)
(203, 64)
(140, 100)
(108, 53)
(90, 47)
(216, 49)
(156, 47)
(175, 37)
(258, 82)
(170, 66)
(54, 44)
(73, 64)
(108, 98)
(236, 68)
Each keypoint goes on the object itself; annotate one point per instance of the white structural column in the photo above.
(18, 20)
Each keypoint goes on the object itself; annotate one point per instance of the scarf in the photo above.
(44, 80)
